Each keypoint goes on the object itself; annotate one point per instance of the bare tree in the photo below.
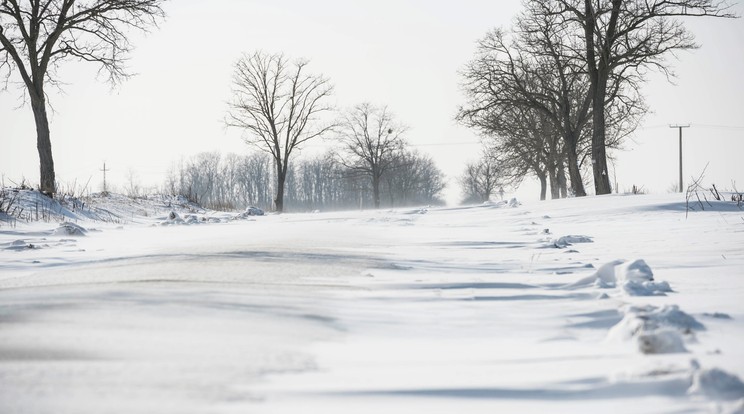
(371, 138)
(481, 179)
(622, 39)
(540, 66)
(37, 36)
(279, 107)
(516, 80)
(413, 179)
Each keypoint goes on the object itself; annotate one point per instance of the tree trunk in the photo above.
(376, 189)
(281, 178)
(599, 73)
(43, 145)
(562, 185)
(553, 177)
(391, 194)
(599, 155)
(574, 173)
(543, 185)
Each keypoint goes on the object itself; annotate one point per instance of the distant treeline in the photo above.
(320, 183)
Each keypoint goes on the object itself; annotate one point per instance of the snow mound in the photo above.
(191, 219)
(17, 245)
(69, 229)
(717, 384)
(606, 276)
(637, 271)
(566, 241)
(172, 218)
(512, 203)
(656, 330)
(249, 212)
(252, 211)
(668, 315)
(717, 315)
(662, 341)
(634, 278)
(417, 211)
(648, 288)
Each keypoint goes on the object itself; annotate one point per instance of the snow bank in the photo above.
(69, 229)
(26, 205)
(634, 278)
(173, 218)
(656, 330)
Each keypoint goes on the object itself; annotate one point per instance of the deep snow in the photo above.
(600, 304)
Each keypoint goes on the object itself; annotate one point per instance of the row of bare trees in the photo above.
(279, 106)
(554, 93)
(321, 183)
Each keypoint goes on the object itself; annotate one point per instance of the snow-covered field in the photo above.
(602, 304)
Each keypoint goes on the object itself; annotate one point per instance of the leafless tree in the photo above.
(37, 36)
(133, 187)
(371, 137)
(481, 179)
(622, 39)
(534, 75)
(515, 77)
(414, 179)
(228, 182)
(279, 106)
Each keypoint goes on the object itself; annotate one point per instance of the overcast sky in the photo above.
(402, 53)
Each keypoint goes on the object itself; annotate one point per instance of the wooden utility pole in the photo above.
(105, 190)
(680, 151)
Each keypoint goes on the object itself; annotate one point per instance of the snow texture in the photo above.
(717, 384)
(119, 305)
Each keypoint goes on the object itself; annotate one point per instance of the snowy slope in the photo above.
(613, 304)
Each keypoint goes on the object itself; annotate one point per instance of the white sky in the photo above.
(403, 53)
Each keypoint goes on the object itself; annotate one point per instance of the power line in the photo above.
(718, 126)
(434, 144)
(441, 144)
(654, 126)
(705, 126)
